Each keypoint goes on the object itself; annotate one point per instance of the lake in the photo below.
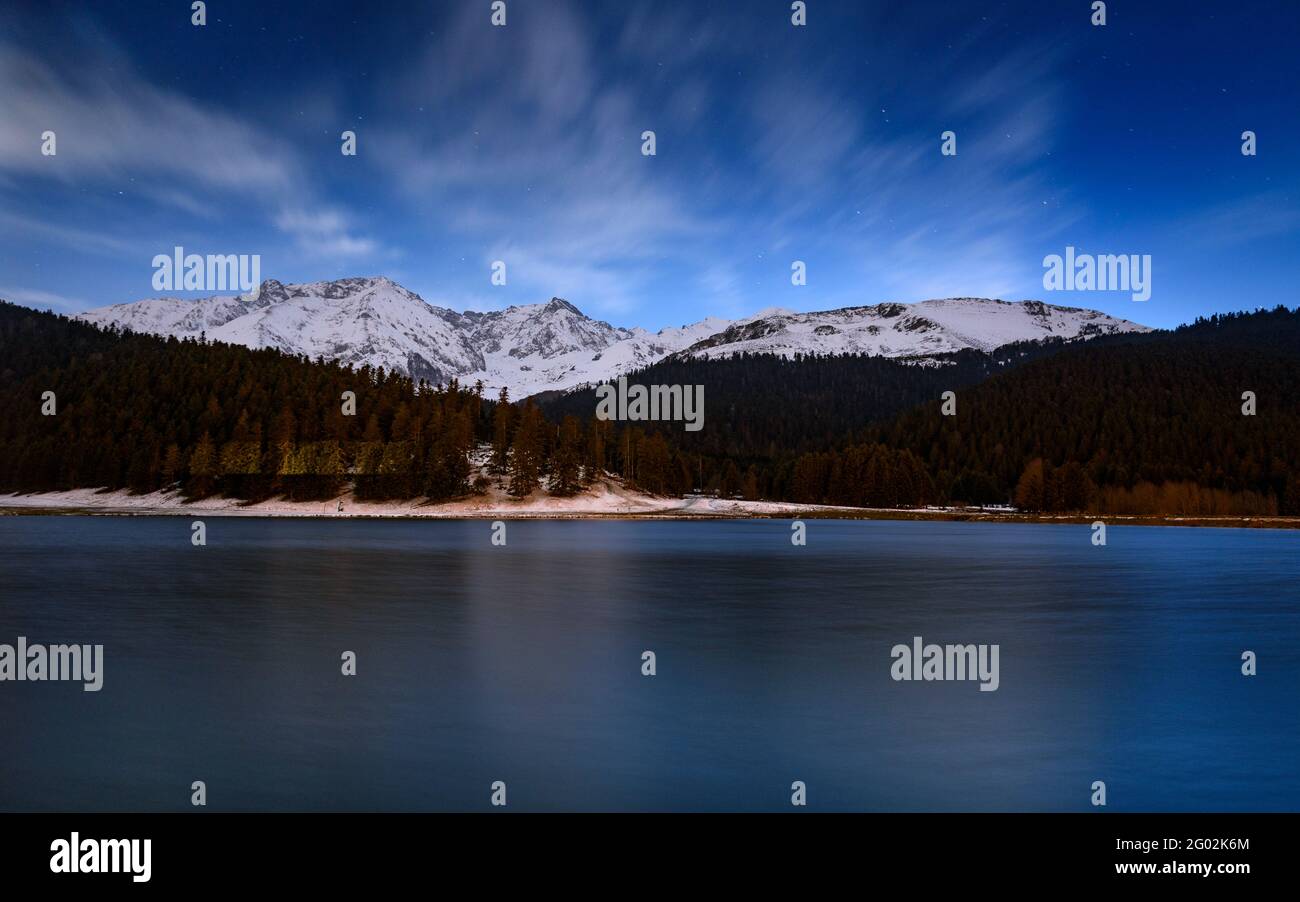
(478, 663)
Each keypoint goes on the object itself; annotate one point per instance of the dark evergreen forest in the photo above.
(1126, 424)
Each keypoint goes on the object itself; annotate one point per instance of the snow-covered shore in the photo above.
(605, 499)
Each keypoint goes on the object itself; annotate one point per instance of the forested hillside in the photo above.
(140, 412)
(1151, 424)
(1141, 424)
(93, 408)
(763, 405)
(1147, 423)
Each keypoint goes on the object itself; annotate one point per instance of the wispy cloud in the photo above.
(546, 171)
(31, 297)
(324, 233)
(1257, 217)
(522, 144)
(113, 127)
(81, 240)
(110, 122)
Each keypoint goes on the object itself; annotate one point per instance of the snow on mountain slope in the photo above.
(353, 321)
(359, 322)
(909, 330)
(376, 322)
(554, 346)
(173, 316)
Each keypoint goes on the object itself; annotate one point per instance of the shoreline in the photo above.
(604, 501)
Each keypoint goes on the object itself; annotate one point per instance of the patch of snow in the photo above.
(554, 347)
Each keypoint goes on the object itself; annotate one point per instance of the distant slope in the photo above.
(759, 405)
(547, 347)
(1153, 408)
(911, 330)
(1145, 422)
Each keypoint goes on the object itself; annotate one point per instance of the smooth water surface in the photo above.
(523, 664)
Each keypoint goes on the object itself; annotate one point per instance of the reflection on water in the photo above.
(523, 664)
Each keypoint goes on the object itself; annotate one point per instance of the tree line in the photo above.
(1205, 417)
(1130, 424)
(144, 413)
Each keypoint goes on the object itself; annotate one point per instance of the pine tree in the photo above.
(1073, 487)
(526, 451)
(203, 468)
(654, 465)
(1031, 487)
(501, 433)
(567, 466)
(595, 462)
(171, 465)
(1290, 505)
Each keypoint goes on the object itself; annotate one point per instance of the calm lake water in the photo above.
(523, 664)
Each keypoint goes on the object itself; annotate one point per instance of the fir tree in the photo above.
(203, 468)
(567, 466)
(501, 433)
(526, 451)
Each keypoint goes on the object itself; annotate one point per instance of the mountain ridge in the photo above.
(553, 346)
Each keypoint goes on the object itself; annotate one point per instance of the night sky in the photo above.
(774, 143)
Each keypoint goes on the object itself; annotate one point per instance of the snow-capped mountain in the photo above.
(909, 330)
(354, 321)
(375, 321)
(554, 346)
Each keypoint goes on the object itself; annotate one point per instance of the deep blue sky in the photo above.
(775, 143)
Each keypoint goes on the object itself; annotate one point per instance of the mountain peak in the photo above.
(269, 291)
(372, 320)
(556, 304)
(772, 311)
